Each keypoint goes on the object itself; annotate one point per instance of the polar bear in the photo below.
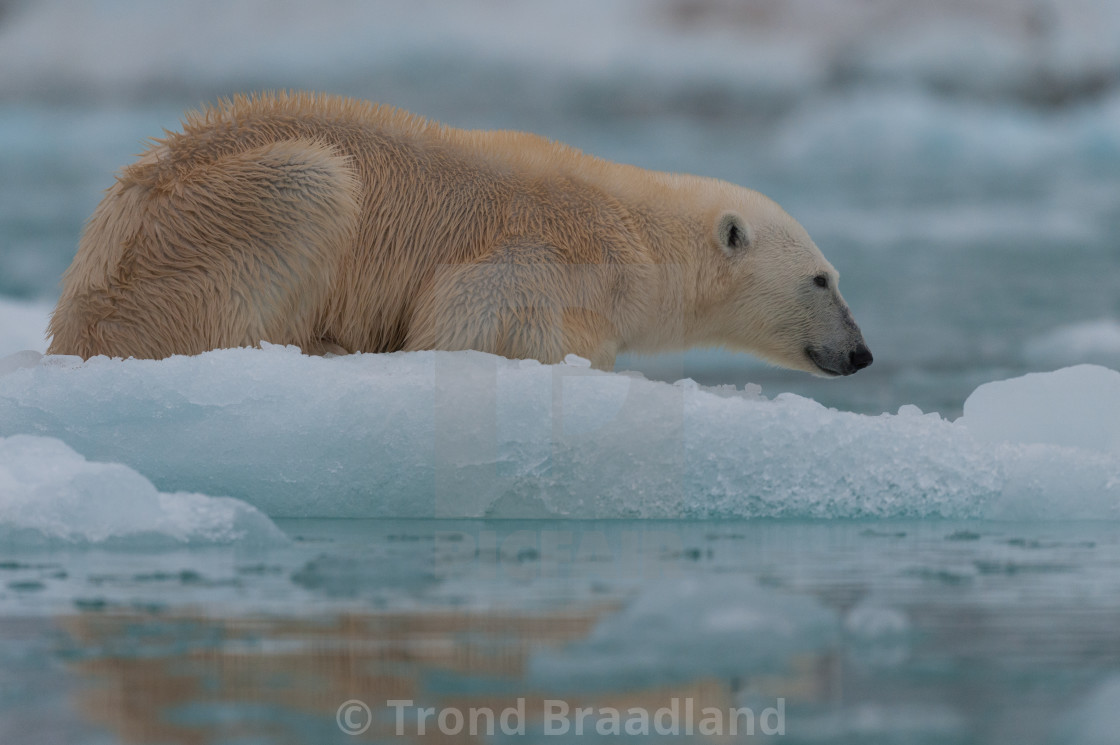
(340, 225)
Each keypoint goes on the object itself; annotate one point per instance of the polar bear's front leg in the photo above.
(523, 304)
(587, 334)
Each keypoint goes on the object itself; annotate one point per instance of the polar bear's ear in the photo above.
(732, 233)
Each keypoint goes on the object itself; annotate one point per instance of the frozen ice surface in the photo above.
(1057, 438)
(51, 496)
(466, 434)
(1075, 407)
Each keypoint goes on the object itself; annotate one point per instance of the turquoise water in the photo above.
(868, 632)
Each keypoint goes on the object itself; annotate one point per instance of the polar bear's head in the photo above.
(776, 294)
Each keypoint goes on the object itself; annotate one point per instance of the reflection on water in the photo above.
(191, 679)
(283, 679)
(179, 678)
(797, 632)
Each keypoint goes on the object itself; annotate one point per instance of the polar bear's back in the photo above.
(310, 220)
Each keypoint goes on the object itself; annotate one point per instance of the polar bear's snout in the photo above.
(860, 357)
(833, 341)
(840, 361)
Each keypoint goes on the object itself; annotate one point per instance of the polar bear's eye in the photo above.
(821, 280)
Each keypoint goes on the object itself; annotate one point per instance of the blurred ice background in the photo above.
(957, 161)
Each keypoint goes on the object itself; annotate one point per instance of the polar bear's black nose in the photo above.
(860, 357)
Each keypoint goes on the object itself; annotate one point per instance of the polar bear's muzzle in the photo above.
(835, 344)
(836, 362)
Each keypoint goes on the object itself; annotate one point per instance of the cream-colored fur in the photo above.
(339, 225)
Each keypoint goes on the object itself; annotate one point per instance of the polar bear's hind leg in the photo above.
(182, 258)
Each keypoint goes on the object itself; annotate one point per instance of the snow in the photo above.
(51, 496)
(465, 434)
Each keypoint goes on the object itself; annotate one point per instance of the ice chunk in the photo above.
(878, 634)
(466, 434)
(868, 621)
(1056, 439)
(51, 495)
(1075, 407)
